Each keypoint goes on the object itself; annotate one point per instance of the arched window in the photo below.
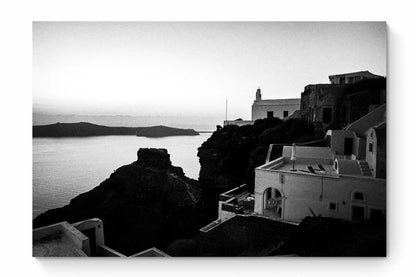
(358, 196)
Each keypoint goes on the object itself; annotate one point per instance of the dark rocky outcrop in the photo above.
(85, 129)
(229, 156)
(148, 203)
(313, 237)
(331, 237)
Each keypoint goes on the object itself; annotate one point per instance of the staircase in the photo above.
(364, 168)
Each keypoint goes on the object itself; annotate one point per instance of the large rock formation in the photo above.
(229, 156)
(144, 204)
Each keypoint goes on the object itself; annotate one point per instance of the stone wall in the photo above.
(317, 97)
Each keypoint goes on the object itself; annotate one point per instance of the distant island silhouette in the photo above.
(86, 129)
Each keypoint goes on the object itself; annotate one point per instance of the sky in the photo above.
(189, 69)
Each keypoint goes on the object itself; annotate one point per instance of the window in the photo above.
(358, 196)
(327, 115)
(342, 80)
(332, 206)
(350, 80)
(269, 114)
(282, 178)
(311, 116)
(285, 114)
(370, 147)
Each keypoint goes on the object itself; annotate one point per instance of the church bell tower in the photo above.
(258, 94)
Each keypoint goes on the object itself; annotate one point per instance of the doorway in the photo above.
(348, 146)
(358, 213)
(273, 203)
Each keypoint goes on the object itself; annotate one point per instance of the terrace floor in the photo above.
(302, 167)
(271, 213)
(56, 246)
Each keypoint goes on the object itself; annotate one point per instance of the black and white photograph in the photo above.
(194, 138)
(209, 139)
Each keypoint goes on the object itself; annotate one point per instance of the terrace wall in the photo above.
(304, 192)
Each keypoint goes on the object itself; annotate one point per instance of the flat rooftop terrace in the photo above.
(306, 166)
(57, 245)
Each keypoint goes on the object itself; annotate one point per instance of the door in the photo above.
(358, 213)
(348, 146)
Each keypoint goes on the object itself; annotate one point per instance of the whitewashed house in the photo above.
(345, 180)
(315, 184)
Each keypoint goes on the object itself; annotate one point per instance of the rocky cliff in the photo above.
(144, 204)
(151, 203)
(229, 156)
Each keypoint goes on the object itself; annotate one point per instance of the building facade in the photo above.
(317, 185)
(351, 78)
(347, 98)
(266, 108)
(346, 179)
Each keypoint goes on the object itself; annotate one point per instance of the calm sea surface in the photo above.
(66, 167)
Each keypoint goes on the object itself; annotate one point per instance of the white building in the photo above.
(316, 184)
(364, 141)
(345, 180)
(266, 108)
(81, 239)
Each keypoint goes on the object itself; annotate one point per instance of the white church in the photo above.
(345, 179)
(267, 108)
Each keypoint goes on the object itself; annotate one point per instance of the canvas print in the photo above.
(209, 139)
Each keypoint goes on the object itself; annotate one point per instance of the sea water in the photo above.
(66, 167)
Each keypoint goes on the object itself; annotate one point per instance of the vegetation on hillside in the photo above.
(228, 158)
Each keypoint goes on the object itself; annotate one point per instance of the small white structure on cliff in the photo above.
(81, 239)
(266, 108)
